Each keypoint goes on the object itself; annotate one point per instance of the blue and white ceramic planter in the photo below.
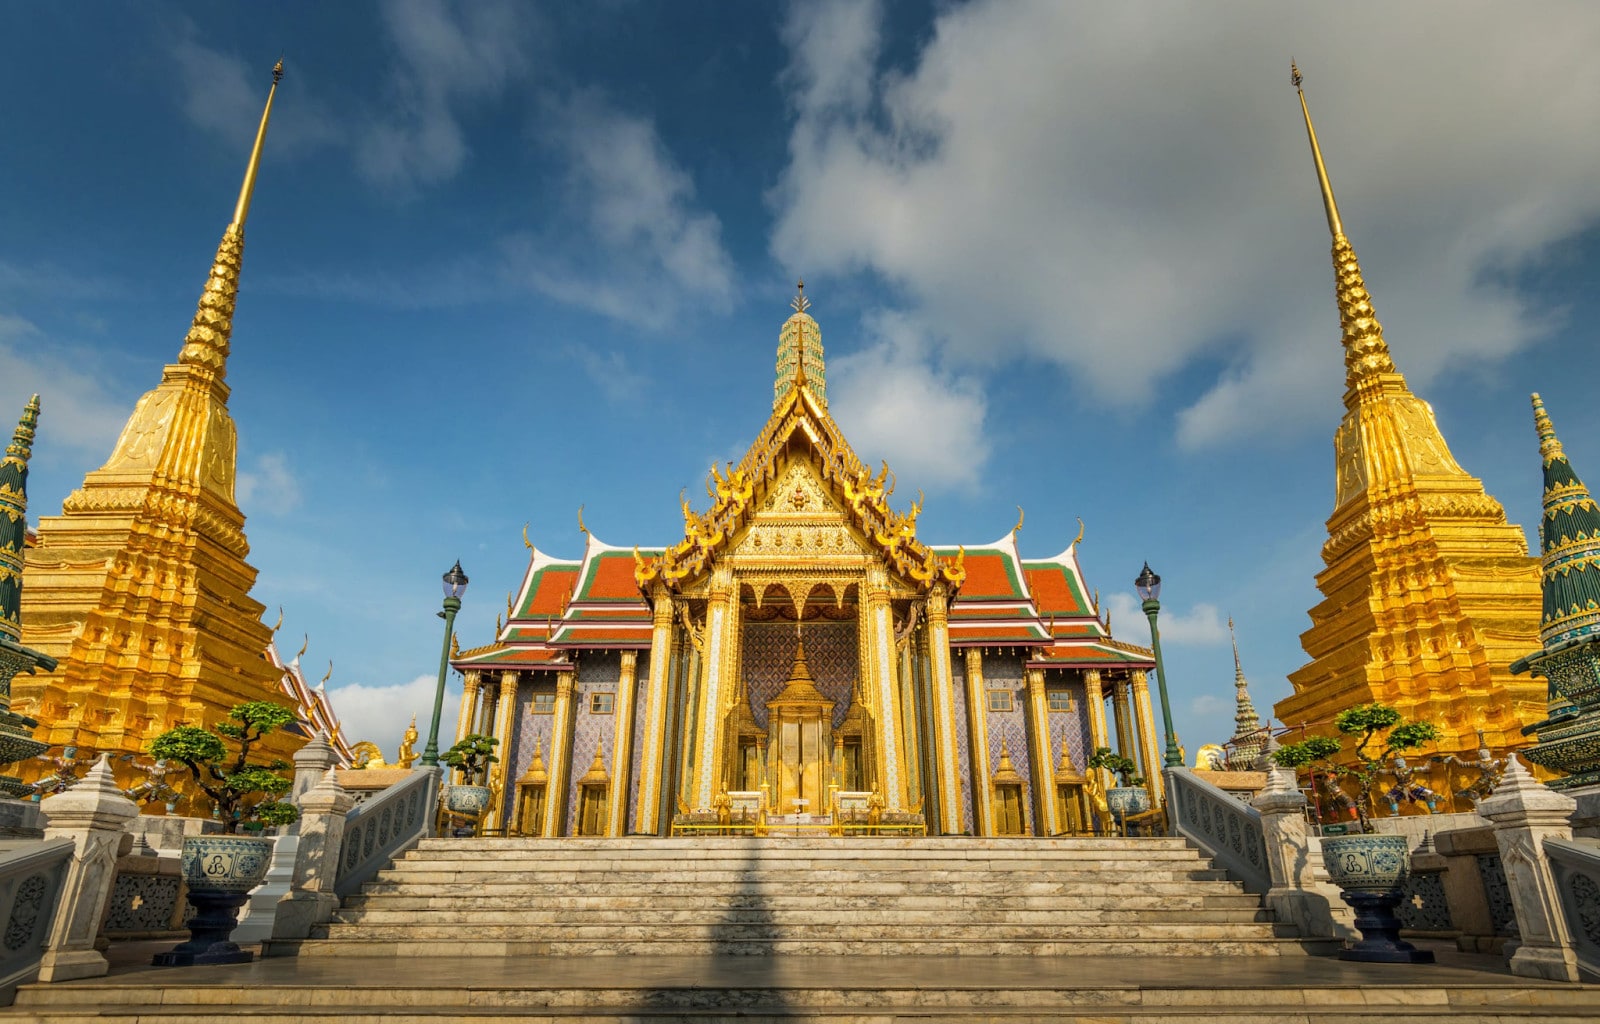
(467, 799)
(1367, 863)
(1125, 801)
(225, 864)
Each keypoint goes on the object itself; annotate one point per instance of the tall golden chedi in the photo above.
(1429, 594)
(140, 588)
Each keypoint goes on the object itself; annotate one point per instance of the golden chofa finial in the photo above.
(242, 209)
(1549, 446)
(1334, 224)
(800, 303)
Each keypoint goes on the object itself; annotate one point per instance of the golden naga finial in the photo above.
(525, 541)
(800, 303)
(1020, 516)
(304, 646)
(1549, 445)
(455, 645)
(327, 675)
(1079, 537)
(582, 528)
(280, 621)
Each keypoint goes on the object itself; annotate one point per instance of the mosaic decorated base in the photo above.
(1366, 863)
(225, 864)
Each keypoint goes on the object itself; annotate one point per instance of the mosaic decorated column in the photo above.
(1041, 769)
(555, 793)
(622, 747)
(721, 655)
(505, 710)
(1095, 698)
(909, 729)
(947, 765)
(651, 762)
(885, 686)
(978, 734)
(1144, 720)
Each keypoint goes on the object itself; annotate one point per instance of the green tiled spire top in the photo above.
(14, 520)
(1569, 544)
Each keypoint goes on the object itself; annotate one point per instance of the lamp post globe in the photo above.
(455, 585)
(1148, 586)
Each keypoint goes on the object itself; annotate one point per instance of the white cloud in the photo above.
(448, 55)
(1033, 194)
(78, 408)
(612, 373)
(1201, 626)
(269, 486)
(381, 713)
(895, 404)
(631, 227)
(1208, 705)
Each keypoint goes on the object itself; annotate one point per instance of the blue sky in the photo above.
(507, 259)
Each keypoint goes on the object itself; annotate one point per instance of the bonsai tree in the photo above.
(241, 792)
(1380, 734)
(472, 755)
(1123, 768)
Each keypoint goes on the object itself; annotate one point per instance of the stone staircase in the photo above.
(810, 896)
(526, 931)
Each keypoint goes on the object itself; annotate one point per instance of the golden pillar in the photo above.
(885, 689)
(1040, 768)
(505, 710)
(622, 747)
(1095, 702)
(947, 765)
(555, 794)
(1149, 752)
(716, 694)
(908, 726)
(472, 678)
(978, 734)
(651, 760)
(1119, 713)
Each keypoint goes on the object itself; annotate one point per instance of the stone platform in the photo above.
(836, 990)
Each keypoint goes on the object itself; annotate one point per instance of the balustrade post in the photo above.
(311, 762)
(1292, 897)
(1525, 813)
(312, 900)
(94, 815)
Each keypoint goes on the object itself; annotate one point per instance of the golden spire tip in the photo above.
(1295, 76)
(277, 71)
(800, 303)
(1549, 444)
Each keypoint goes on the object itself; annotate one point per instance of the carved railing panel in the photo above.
(384, 826)
(1575, 865)
(1423, 906)
(30, 887)
(1226, 828)
(1497, 892)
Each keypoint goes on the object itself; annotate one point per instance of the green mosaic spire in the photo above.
(14, 520)
(1569, 543)
(800, 354)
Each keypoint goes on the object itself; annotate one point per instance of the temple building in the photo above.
(139, 589)
(1429, 594)
(803, 657)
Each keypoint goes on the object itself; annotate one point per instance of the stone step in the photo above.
(782, 902)
(778, 879)
(902, 889)
(958, 845)
(425, 948)
(735, 931)
(556, 859)
(795, 918)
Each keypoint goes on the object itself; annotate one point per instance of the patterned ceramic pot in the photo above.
(1127, 800)
(1366, 863)
(467, 799)
(225, 864)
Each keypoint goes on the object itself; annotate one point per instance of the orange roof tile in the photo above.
(989, 574)
(552, 589)
(1053, 593)
(610, 578)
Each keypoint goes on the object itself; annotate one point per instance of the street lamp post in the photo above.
(455, 584)
(1149, 587)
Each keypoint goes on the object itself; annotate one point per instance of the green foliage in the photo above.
(241, 791)
(1124, 768)
(472, 755)
(1366, 722)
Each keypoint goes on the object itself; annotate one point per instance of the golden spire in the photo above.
(800, 303)
(1549, 445)
(206, 344)
(1366, 354)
